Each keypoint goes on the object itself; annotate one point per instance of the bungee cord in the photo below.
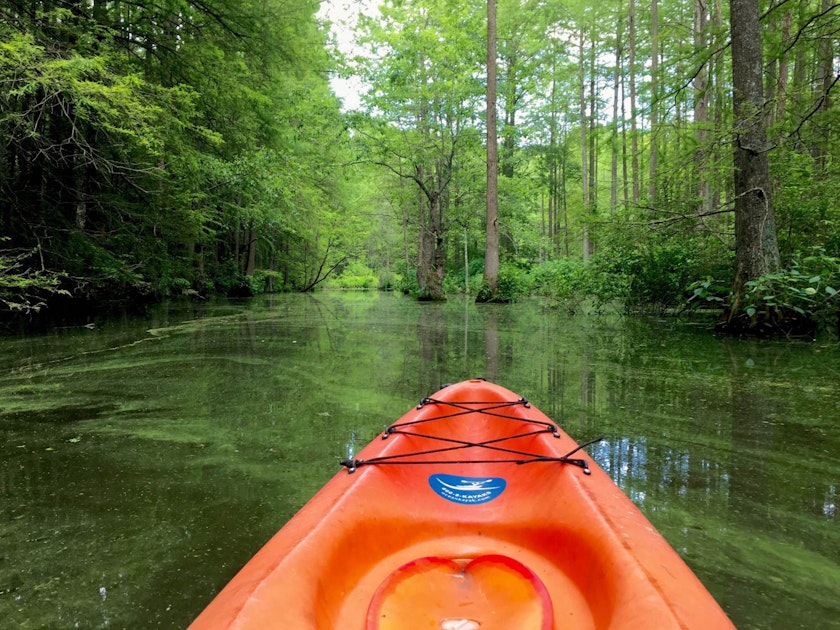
(491, 409)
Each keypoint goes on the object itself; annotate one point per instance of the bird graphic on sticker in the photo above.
(467, 490)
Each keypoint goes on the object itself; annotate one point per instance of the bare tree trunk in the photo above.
(800, 63)
(491, 251)
(252, 251)
(701, 109)
(625, 179)
(634, 129)
(822, 89)
(584, 140)
(614, 142)
(509, 129)
(719, 193)
(784, 69)
(756, 248)
(592, 204)
(552, 167)
(80, 194)
(654, 99)
(423, 246)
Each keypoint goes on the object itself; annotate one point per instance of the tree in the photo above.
(160, 148)
(701, 107)
(756, 248)
(420, 127)
(634, 133)
(653, 159)
(491, 249)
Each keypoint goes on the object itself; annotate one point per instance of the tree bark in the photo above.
(591, 204)
(614, 144)
(822, 90)
(756, 248)
(654, 100)
(701, 110)
(631, 66)
(584, 140)
(491, 251)
(251, 264)
(784, 69)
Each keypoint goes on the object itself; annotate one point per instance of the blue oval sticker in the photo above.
(467, 490)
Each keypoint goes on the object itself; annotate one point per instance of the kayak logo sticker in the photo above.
(467, 490)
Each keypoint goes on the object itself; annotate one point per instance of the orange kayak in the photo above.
(473, 511)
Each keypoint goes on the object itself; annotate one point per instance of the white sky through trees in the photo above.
(343, 16)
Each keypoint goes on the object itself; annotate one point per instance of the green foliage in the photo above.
(513, 283)
(156, 155)
(405, 279)
(453, 283)
(575, 285)
(807, 210)
(183, 148)
(655, 274)
(24, 288)
(387, 280)
(564, 282)
(356, 275)
(799, 299)
(261, 281)
(707, 293)
(109, 264)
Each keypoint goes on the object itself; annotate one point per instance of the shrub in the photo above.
(800, 299)
(574, 284)
(649, 277)
(356, 275)
(405, 279)
(563, 282)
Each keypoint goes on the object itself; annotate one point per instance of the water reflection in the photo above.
(667, 473)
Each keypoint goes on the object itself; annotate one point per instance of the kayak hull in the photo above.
(443, 518)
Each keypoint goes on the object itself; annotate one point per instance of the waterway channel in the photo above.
(144, 459)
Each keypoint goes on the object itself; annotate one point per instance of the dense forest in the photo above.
(653, 157)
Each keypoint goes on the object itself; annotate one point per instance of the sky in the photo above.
(344, 14)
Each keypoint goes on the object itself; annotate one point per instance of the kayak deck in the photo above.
(570, 563)
(473, 512)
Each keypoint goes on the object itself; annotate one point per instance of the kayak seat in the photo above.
(490, 592)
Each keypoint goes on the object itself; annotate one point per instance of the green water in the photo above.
(143, 461)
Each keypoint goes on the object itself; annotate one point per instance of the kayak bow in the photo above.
(474, 511)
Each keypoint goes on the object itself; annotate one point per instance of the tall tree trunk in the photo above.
(822, 89)
(562, 190)
(719, 193)
(625, 179)
(552, 165)
(588, 243)
(756, 248)
(431, 266)
(584, 141)
(509, 129)
(634, 123)
(251, 265)
(784, 68)
(491, 251)
(801, 64)
(654, 99)
(614, 142)
(701, 109)
(80, 195)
